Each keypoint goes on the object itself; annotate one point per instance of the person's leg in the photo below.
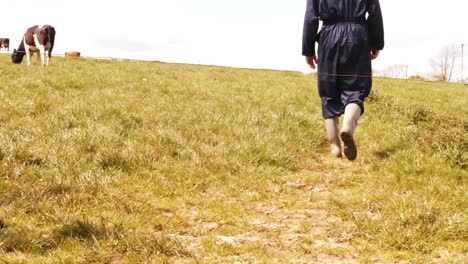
(351, 116)
(332, 125)
(331, 111)
(356, 83)
(328, 88)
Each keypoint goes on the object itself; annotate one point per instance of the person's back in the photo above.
(352, 35)
(332, 10)
(343, 11)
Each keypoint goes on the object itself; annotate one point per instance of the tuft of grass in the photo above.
(87, 230)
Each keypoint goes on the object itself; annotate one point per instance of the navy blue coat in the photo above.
(351, 29)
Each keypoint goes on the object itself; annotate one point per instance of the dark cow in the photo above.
(39, 39)
(5, 43)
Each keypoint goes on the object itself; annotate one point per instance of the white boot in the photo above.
(332, 126)
(351, 117)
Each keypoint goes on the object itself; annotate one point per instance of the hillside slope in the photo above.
(145, 162)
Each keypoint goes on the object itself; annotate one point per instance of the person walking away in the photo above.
(352, 35)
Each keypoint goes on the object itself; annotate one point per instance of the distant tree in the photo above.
(399, 71)
(443, 65)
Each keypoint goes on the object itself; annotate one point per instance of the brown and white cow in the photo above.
(39, 39)
(5, 43)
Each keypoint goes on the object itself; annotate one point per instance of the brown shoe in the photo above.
(350, 150)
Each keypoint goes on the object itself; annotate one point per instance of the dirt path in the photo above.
(295, 227)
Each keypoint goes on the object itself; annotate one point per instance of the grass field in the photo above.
(145, 162)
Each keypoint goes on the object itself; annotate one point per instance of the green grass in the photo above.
(441, 97)
(146, 162)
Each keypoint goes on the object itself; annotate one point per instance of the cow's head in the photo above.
(17, 56)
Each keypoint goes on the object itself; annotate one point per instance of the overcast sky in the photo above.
(239, 33)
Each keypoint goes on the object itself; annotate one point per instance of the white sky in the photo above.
(239, 33)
